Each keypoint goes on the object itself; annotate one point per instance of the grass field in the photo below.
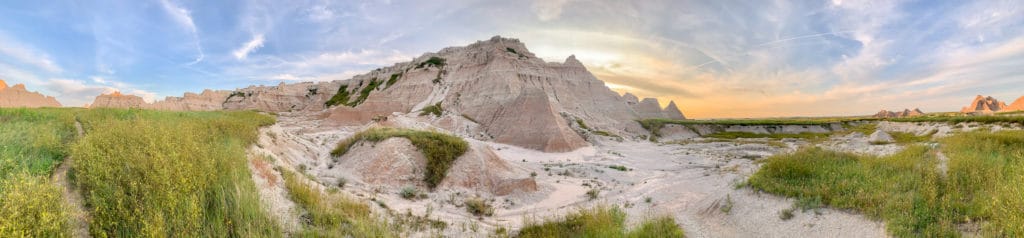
(333, 215)
(440, 149)
(32, 143)
(959, 119)
(983, 186)
(601, 221)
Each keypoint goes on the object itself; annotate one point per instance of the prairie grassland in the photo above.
(738, 134)
(601, 221)
(440, 149)
(332, 215)
(32, 143)
(983, 185)
(152, 173)
(958, 119)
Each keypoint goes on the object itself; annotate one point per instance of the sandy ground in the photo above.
(690, 181)
(80, 218)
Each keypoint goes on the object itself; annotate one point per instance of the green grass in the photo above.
(393, 80)
(983, 185)
(341, 98)
(440, 149)
(738, 134)
(151, 173)
(479, 207)
(432, 109)
(332, 215)
(582, 124)
(907, 138)
(433, 61)
(959, 119)
(32, 143)
(600, 221)
(866, 128)
(365, 92)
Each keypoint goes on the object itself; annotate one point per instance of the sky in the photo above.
(715, 59)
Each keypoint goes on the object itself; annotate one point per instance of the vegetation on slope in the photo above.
(432, 109)
(341, 98)
(982, 185)
(959, 119)
(332, 215)
(601, 221)
(150, 173)
(654, 125)
(393, 79)
(440, 149)
(365, 92)
(433, 61)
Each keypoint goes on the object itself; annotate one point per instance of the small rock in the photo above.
(880, 137)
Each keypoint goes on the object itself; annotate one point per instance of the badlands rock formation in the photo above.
(117, 100)
(209, 100)
(305, 96)
(515, 97)
(984, 105)
(650, 108)
(1017, 105)
(904, 113)
(18, 96)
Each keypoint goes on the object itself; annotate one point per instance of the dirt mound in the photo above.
(396, 162)
(18, 96)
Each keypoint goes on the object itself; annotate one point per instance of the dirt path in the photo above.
(72, 198)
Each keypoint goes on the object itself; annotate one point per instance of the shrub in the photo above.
(330, 215)
(393, 80)
(341, 98)
(433, 61)
(593, 193)
(440, 149)
(479, 207)
(432, 109)
(31, 206)
(618, 167)
(582, 125)
(601, 221)
(409, 193)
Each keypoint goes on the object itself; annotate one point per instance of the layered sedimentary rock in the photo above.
(651, 108)
(984, 105)
(305, 96)
(18, 96)
(516, 97)
(904, 113)
(1017, 105)
(117, 100)
(209, 100)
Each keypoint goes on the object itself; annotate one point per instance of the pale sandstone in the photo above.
(117, 100)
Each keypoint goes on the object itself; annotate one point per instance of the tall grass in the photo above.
(32, 143)
(332, 215)
(150, 173)
(983, 185)
(601, 221)
(440, 149)
(959, 119)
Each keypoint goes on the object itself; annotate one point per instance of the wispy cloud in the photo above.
(243, 52)
(547, 10)
(27, 54)
(184, 18)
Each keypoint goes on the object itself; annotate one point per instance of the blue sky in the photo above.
(714, 58)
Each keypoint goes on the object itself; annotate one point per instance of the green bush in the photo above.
(432, 109)
(440, 149)
(433, 61)
(393, 80)
(365, 92)
(31, 206)
(601, 221)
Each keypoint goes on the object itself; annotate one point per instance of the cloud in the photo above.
(184, 18)
(243, 52)
(76, 92)
(547, 10)
(26, 54)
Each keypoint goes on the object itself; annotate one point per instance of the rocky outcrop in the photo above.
(305, 96)
(209, 100)
(904, 113)
(984, 105)
(1017, 105)
(117, 100)
(651, 108)
(515, 97)
(880, 137)
(18, 96)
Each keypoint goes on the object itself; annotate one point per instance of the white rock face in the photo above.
(305, 96)
(18, 96)
(880, 137)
